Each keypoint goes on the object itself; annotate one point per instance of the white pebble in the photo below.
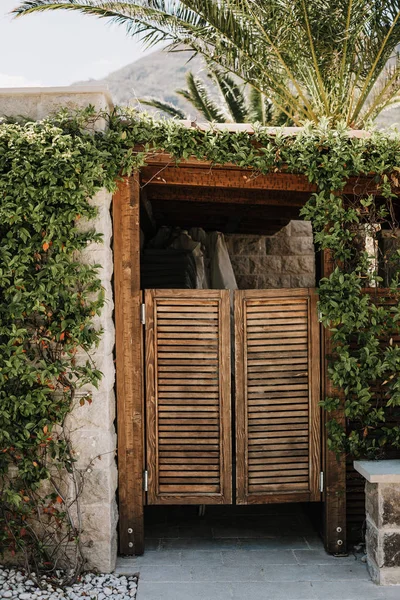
(16, 585)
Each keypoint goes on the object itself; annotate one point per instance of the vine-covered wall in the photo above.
(58, 474)
(49, 297)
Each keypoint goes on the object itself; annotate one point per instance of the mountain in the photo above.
(158, 74)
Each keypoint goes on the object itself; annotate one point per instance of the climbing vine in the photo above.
(48, 297)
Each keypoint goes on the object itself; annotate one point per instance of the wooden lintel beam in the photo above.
(224, 178)
(223, 196)
(181, 206)
(218, 177)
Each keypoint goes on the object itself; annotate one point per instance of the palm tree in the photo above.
(235, 105)
(313, 59)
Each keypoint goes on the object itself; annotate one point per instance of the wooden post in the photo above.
(334, 469)
(129, 357)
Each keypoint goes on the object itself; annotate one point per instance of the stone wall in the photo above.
(383, 532)
(382, 507)
(284, 260)
(91, 427)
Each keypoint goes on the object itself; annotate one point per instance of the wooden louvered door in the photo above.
(277, 395)
(188, 397)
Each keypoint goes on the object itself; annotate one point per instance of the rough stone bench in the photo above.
(382, 504)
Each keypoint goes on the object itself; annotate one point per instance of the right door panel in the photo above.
(277, 394)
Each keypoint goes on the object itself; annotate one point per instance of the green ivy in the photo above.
(48, 298)
(47, 302)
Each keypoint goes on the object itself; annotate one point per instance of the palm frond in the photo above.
(198, 95)
(260, 108)
(165, 107)
(318, 59)
(232, 94)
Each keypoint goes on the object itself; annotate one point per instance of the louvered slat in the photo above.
(188, 396)
(277, 395)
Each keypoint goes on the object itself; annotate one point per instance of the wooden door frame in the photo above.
(335, 518)
(129, 366)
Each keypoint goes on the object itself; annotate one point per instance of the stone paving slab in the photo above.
(274, 543)
(259, 557)
(319, 557)
(185, 591)
(351, 590)
(228, 562)
(270, 591)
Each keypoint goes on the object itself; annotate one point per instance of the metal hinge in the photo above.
(143, 314)
(321, 481)
(145, 481)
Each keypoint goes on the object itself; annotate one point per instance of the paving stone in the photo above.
(389, 593)
(348, 590)
(226, 573)
(260, 530)
(273, 591)
(354, 570)
(152, 543)
(165, 573)
(186, 591)
(313, 541)
(280, 573)
(283, 559)
(282, 542)
(258, 557)
(319, 557)
(199, 544)
(201, 557)
(150, 557)
(231, 531)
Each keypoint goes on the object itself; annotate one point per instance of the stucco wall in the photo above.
(91, 427)
(284, 260)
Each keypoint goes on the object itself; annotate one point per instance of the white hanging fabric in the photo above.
(213, 264)
(221, 273)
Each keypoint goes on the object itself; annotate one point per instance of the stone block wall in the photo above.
(382, 507)
(91, 426)
(383, 532)
(283, 260)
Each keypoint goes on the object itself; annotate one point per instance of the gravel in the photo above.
(92, 586)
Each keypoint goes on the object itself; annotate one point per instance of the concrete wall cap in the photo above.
(379, 471)
(64, 90)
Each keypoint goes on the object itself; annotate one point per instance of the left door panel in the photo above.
(188, 397)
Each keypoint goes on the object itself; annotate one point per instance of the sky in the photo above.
(60, 48)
